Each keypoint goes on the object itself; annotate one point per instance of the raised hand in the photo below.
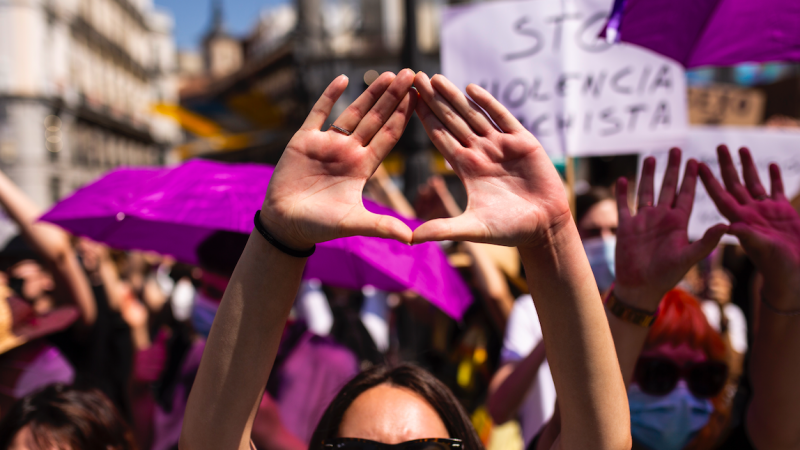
(768, 227)
(653, 251)
(315, 193)
(515, 194)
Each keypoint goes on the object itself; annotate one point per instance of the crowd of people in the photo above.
(600, 326)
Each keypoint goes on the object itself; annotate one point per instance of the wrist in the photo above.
(641, 297)
(562, 231)
(277, 228)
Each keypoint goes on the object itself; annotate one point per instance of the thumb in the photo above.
(365, 223)
(752, 242)
(462, 228)
(705, 245)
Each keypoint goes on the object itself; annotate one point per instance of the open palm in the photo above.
(653, 251)
(768, 227)
(515, 194)
(315, 192)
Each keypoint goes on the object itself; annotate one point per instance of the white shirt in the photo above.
(523, 334)
(737, 323)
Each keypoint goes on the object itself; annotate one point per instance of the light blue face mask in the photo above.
(600, 252)
(203, 314)
(668, 422)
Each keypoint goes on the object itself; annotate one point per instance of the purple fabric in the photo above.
(172, 210)
(714, 32)
(304, 394)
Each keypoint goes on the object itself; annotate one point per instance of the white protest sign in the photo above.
(576, 93)
(766, 145)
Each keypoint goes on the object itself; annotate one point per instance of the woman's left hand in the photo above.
(653, 250)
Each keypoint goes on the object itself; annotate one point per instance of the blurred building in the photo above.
(78, 83)
(289, 57)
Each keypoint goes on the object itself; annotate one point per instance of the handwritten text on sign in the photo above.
(578, 94)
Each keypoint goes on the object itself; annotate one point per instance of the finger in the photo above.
(473, 115)
(462, 228)
(322, 109)
(646, 183)
(365, 223)
(385, 107)
(441, 137)
(725, 202)
(730, 177)
(386, 138)
(670, 183)
(622, 199)
(698, 250)
(352, 116)
(497, 112)
(443, 110)
(777, 182)
(750, 173)
(685, 200)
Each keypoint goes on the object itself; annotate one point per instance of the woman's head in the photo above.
(596, 216)
(62, 417)
(393, 405)
(677, 375)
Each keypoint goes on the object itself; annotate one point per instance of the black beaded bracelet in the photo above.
(278, 245)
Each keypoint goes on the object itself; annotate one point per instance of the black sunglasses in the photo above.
(659, 376)
(418, 444)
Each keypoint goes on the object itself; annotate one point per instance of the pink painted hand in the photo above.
(653, 249)
(768, 227)
(315, 192)
(516, 197)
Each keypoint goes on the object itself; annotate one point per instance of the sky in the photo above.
(193, 17)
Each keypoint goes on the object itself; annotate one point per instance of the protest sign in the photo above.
(767, 145)
(578, 94)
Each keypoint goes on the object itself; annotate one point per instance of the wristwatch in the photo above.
(628, 313)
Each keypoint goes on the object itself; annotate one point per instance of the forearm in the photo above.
(241, 348)
(579, 345)
(491, 283)
(506, 395)
(53, 244)
(772, 417)
(629, 338)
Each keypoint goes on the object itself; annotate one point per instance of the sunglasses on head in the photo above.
(418, 444)
(659, 376)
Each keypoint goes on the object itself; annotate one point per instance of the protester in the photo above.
(65, 418)
(315, 195)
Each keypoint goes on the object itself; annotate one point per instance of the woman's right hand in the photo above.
(768, 227)
(516, 197)
(315, 192)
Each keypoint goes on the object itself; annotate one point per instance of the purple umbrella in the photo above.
(710, 32)
(171, 211)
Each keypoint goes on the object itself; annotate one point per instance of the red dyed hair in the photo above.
(681, 321)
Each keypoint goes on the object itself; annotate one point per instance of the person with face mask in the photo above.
(670, 357)
(523, 386)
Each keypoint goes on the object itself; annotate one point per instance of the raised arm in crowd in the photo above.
(515, 199)
(53, 245)
(653, 255)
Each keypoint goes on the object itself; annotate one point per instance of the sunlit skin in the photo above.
(24, 441)
(600, 221)
(391, 415)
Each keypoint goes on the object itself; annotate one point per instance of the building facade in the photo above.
(78, 83)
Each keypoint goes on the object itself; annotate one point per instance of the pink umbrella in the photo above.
(172, 210)
(710, 32)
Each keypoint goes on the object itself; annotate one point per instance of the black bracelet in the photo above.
(278, 245)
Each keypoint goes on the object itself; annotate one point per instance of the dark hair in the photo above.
(406, 376)
(584, 202)
(220, 252)
(60, 415)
